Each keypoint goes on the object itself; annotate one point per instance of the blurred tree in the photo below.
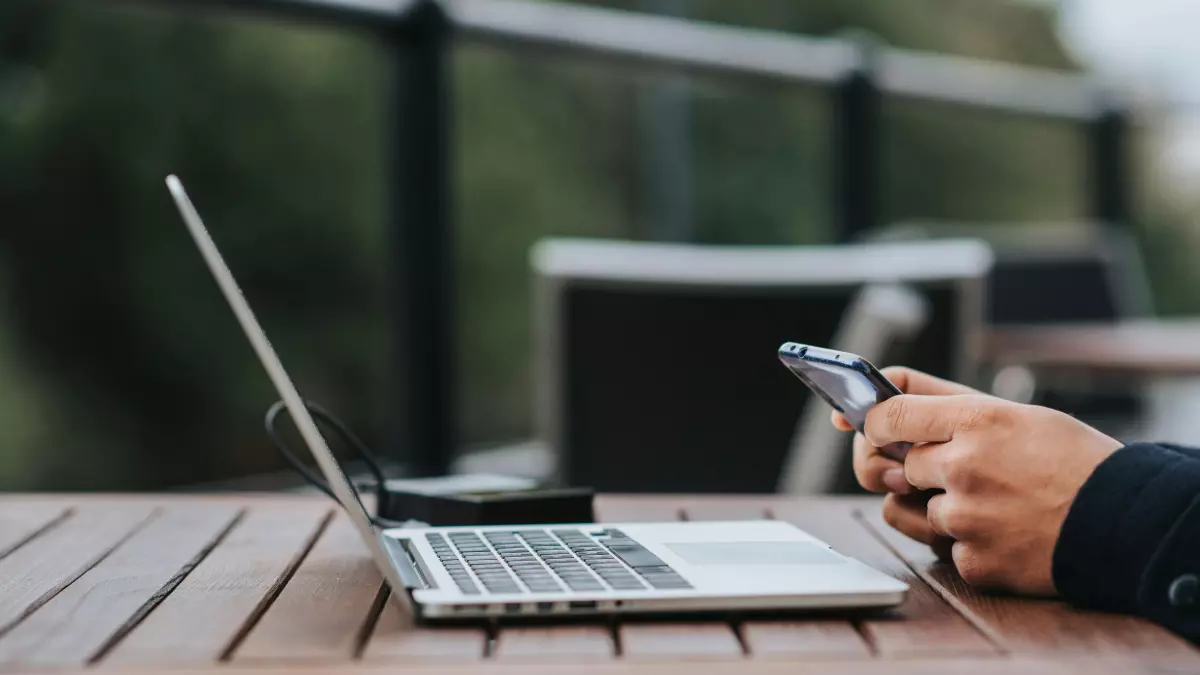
(152, 382)
(120, 366)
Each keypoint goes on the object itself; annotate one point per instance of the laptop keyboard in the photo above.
(549, 561)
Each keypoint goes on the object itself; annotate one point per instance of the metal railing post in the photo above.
(422, 243)
(665, 117)
(856, 150)
(1110, 181)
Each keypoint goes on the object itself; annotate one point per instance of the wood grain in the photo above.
(567, 643)
(808, 639)
(20, 525)
(35, 572)
(396, 639)
(77, 623)
(219, 600)
(686, 641)
(321, 614)
(948, 666)
(924, 625)
(80, 567)
(1025, 625)
(679, 641)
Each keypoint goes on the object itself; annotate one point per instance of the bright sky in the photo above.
(1149, 47)
(1150, 43)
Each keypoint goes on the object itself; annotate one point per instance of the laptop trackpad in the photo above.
(755, 553)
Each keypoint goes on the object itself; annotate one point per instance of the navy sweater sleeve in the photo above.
(1131, 540)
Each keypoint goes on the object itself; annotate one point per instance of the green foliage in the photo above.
(120, 366)
(151, 381)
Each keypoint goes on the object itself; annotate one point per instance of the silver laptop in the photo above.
(447, 573)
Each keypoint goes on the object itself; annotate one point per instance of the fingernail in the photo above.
(896, 482)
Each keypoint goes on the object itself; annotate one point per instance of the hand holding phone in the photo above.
(847, 382)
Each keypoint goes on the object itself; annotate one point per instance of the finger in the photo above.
(946, 518)
(973, 567)
(840, 423)
(926, 419)
(912, 381)
(907, 515)
(875, 472)
(933, 514)
(924, 467)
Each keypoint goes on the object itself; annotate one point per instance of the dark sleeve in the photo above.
(1131, 540)
(1183, 449)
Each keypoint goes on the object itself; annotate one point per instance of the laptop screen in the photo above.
(339, 483)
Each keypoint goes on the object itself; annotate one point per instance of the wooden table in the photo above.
(269, 584)
(1154, 347)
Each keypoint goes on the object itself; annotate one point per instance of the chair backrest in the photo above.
(1058, 272)
(657, 366)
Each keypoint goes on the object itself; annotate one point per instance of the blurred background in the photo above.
(121, 367)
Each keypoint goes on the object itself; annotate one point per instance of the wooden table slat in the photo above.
(924, 625)
(35, 572)
(554, 643)
(809, 639)
(1024, 625)
(218, 601)
(940, 666)
(396, 639)
(680, 641)
(78, 622)
(17, 527)
(321, 614)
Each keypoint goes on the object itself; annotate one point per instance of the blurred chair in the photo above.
(657, 366)
(1056, 273)
(1062, 272)
(880, 317)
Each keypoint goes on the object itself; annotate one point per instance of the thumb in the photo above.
(925, 419)
(912, 381)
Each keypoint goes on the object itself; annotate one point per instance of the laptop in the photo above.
(456, 573)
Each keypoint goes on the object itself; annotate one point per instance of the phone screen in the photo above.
(846, 389)
(846, 382)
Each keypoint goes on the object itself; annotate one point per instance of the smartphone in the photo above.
(847, 382)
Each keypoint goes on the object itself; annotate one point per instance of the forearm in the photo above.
(1131, 541)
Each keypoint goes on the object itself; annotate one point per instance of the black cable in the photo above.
(347, 438)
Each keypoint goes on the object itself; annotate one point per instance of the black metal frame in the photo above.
(859, 74)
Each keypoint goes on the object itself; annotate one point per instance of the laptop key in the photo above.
(571, 569)
(636, 555)
(535, 578)
(621, 580)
